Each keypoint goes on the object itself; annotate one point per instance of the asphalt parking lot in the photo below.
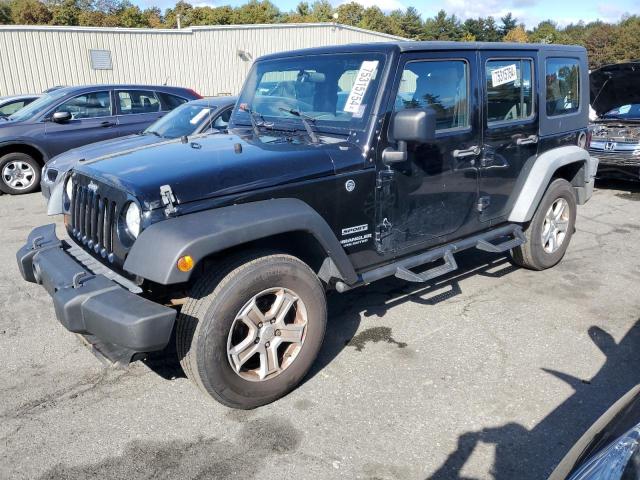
(492, 372)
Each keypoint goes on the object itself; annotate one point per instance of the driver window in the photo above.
(441, 85)
(88, 105)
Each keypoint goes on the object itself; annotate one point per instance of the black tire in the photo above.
(532, 254)
(31, 180)
(204, 323)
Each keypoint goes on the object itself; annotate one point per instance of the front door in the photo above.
(92, 120)
(432, 197)
(510, 128)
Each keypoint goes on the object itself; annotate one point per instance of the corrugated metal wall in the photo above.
(206, 59)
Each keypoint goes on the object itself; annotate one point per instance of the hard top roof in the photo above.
(408, 46)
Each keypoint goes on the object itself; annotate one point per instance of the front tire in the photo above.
(550, 230)
(249, 333)
(19, 173)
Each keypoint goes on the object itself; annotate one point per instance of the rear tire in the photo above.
(270, 304)
(550, 230)
(19, 173)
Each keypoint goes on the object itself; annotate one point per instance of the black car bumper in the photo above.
(91, 304)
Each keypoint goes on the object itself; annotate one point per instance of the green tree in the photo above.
(256, 11)
(508, 24)
(213, 16)
(322, 11)
(5, 13)
(30, 12)
(374, 19)
(548, 32)
(152, 17)
(411, 25)
(350, 13)
(442, 27)
(627, 45)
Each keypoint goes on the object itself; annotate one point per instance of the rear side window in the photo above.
(137, 101)
(11, 108)
(509, 90)
(563, 85)
(170, 101)
(441, 85)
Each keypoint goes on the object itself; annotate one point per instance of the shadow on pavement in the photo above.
(532, 454)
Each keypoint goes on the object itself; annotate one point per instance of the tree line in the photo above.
(605, 42)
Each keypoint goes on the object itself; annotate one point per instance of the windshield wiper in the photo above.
(306, 121)
(152, 132)
(257, 120)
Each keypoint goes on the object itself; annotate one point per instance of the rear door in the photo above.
(510, 128)
(137, 109)
(92, 120)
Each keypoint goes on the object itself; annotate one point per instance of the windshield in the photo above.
(181, 121)
(37, 107)
(625, 112)
(333, 91)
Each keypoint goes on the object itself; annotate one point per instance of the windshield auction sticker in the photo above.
(359, 88)
(200, 115)
(503, 75)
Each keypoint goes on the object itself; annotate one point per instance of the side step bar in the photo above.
(402, 268)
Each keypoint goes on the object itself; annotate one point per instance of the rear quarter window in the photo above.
(169, 101)
(562, 76)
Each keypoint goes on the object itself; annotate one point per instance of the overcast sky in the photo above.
(528, 11)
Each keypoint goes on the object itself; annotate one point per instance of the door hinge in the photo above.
(483, 203)
(382, 229)
(168, 200)
(385, 177)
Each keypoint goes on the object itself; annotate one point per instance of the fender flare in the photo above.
(541, 173)
(156, 251)
(19, 142)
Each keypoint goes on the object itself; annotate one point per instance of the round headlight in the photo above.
(132, 219)
(68, 188)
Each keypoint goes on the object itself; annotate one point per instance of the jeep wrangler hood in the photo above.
(208, 166)
(614, 85)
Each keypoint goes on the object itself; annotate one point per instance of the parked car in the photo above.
(615, 94)
(610, 449)
(197, 116)
(438, 147)
(70, 117)
(11, 104)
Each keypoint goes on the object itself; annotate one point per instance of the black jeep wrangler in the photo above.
(342, 165)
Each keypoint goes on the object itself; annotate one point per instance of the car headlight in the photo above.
(610, 463)
(68, 188)
(132, 219)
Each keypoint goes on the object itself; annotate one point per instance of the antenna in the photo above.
(166, 81)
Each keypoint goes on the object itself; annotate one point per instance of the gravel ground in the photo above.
(489, 373)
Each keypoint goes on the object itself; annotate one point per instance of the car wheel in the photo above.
(249, 333)
(550, 230)
(19, 173)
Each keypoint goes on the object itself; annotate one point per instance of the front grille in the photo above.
(94, 221)
(612, 157)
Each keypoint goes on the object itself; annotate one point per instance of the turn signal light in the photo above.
(185, 263)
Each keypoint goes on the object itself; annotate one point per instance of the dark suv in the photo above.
(342, 165)
(70, 117)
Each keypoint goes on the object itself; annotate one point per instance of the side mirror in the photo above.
(415, 125)
(61, 117)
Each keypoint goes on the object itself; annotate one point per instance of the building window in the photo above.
(563, 78)
(509, 90)
(100, 59)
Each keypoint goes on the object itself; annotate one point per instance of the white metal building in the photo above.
(212, 60)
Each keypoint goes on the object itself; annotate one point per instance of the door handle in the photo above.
(467, 152)
(527, 140)
(107, 124)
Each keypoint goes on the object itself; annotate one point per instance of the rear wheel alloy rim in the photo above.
(18, 175)
(267, 334)
(555, 226)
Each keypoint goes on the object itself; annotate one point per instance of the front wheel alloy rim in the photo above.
(556, 225)
(267, 334)
(18, 175)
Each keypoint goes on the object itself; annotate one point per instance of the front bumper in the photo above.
(91, 304)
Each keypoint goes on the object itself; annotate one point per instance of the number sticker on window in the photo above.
(503, 75)
(359, 88)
